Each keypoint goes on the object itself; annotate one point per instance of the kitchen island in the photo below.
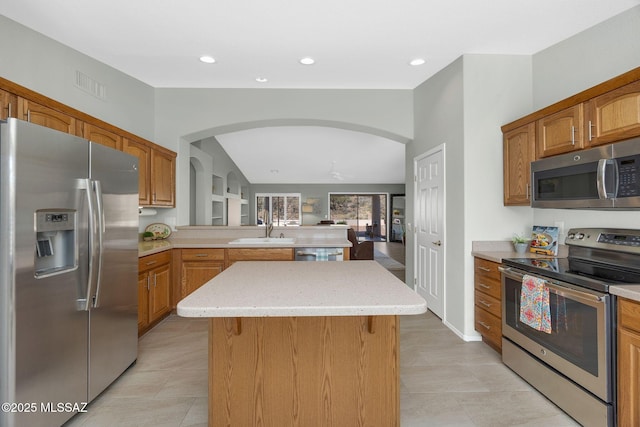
(303, 343)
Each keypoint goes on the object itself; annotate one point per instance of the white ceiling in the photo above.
(314, 155)
(356, 44)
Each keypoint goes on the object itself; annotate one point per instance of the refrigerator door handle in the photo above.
(100, 229)
(93, 245)
(84, 303)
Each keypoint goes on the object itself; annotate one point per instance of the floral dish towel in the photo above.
(534, 304)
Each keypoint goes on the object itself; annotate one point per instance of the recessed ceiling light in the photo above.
(307, 61)
(261, 80)
(417, 61)
(207, 59)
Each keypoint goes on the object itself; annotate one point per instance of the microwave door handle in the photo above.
(603, 194)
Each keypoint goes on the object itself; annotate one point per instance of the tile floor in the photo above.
(444, 382)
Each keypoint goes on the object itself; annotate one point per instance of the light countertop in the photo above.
(631, 292)
(298, 288)
(155, 246)
(496, 251)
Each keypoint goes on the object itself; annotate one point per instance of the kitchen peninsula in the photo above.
(303, 343)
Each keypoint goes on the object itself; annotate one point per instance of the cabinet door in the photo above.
(518, 153)
(143, 153)
(560, 132)
(102, 137)
(197, 273)
(45, 116)
(8, 104)
(628, 378)
(143, 301)
(613, 116)
(163, 169)
(160, 294)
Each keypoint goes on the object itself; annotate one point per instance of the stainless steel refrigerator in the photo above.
(68, 272)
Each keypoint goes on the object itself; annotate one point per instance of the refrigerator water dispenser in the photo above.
(56, 250)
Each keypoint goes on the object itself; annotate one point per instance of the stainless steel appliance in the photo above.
(319, 254)
(606, 177)
(68, 272)
(574, 364)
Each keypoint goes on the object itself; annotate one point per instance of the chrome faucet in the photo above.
(268, 224)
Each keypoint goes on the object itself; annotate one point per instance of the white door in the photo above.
(429, 228)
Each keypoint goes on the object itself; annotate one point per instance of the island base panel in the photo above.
(303, 371)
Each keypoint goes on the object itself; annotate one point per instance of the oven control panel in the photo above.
(625, 240)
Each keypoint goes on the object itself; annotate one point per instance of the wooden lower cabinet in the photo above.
(488, 302)
(304, 371)
(628, 363)
(259, 254)
(154, 289)
(198, 266)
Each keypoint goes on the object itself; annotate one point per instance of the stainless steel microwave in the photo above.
(606, 177)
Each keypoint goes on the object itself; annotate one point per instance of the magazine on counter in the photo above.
(544, 240)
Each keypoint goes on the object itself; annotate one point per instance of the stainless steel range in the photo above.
(571, 360)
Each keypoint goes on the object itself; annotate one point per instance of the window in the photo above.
(282, 208)
(365, 213)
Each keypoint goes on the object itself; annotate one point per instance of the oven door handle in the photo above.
(561, 290)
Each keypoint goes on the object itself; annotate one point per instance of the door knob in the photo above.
(438, 243)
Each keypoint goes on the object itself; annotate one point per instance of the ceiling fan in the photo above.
(339, 176)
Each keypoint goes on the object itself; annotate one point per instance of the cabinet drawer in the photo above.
(487, 268)
(489, 326)
(489, 286)
(261, 254)
(629, 314)
(151, 261)
(202, 254)
(488, 303)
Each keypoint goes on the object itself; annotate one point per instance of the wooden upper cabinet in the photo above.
(613, 116)
(560, 132)
(8, 104)
(143, 153)
(163, 179)
(101, 136)
(518, 151)
(45, 116)
(156, 173)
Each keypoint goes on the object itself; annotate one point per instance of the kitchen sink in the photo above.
(263, 240)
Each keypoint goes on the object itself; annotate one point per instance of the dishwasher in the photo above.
(319, 254)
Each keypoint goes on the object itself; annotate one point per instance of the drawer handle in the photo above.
(486, 304)
(485, 325)
(482, 285)
(202, 255)
(151, 262)
(484, 269)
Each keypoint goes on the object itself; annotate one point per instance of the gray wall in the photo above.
(186, 115)
(591, 57)
(463, 106)
(48, 67)
(586, 59)
(321, 191)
